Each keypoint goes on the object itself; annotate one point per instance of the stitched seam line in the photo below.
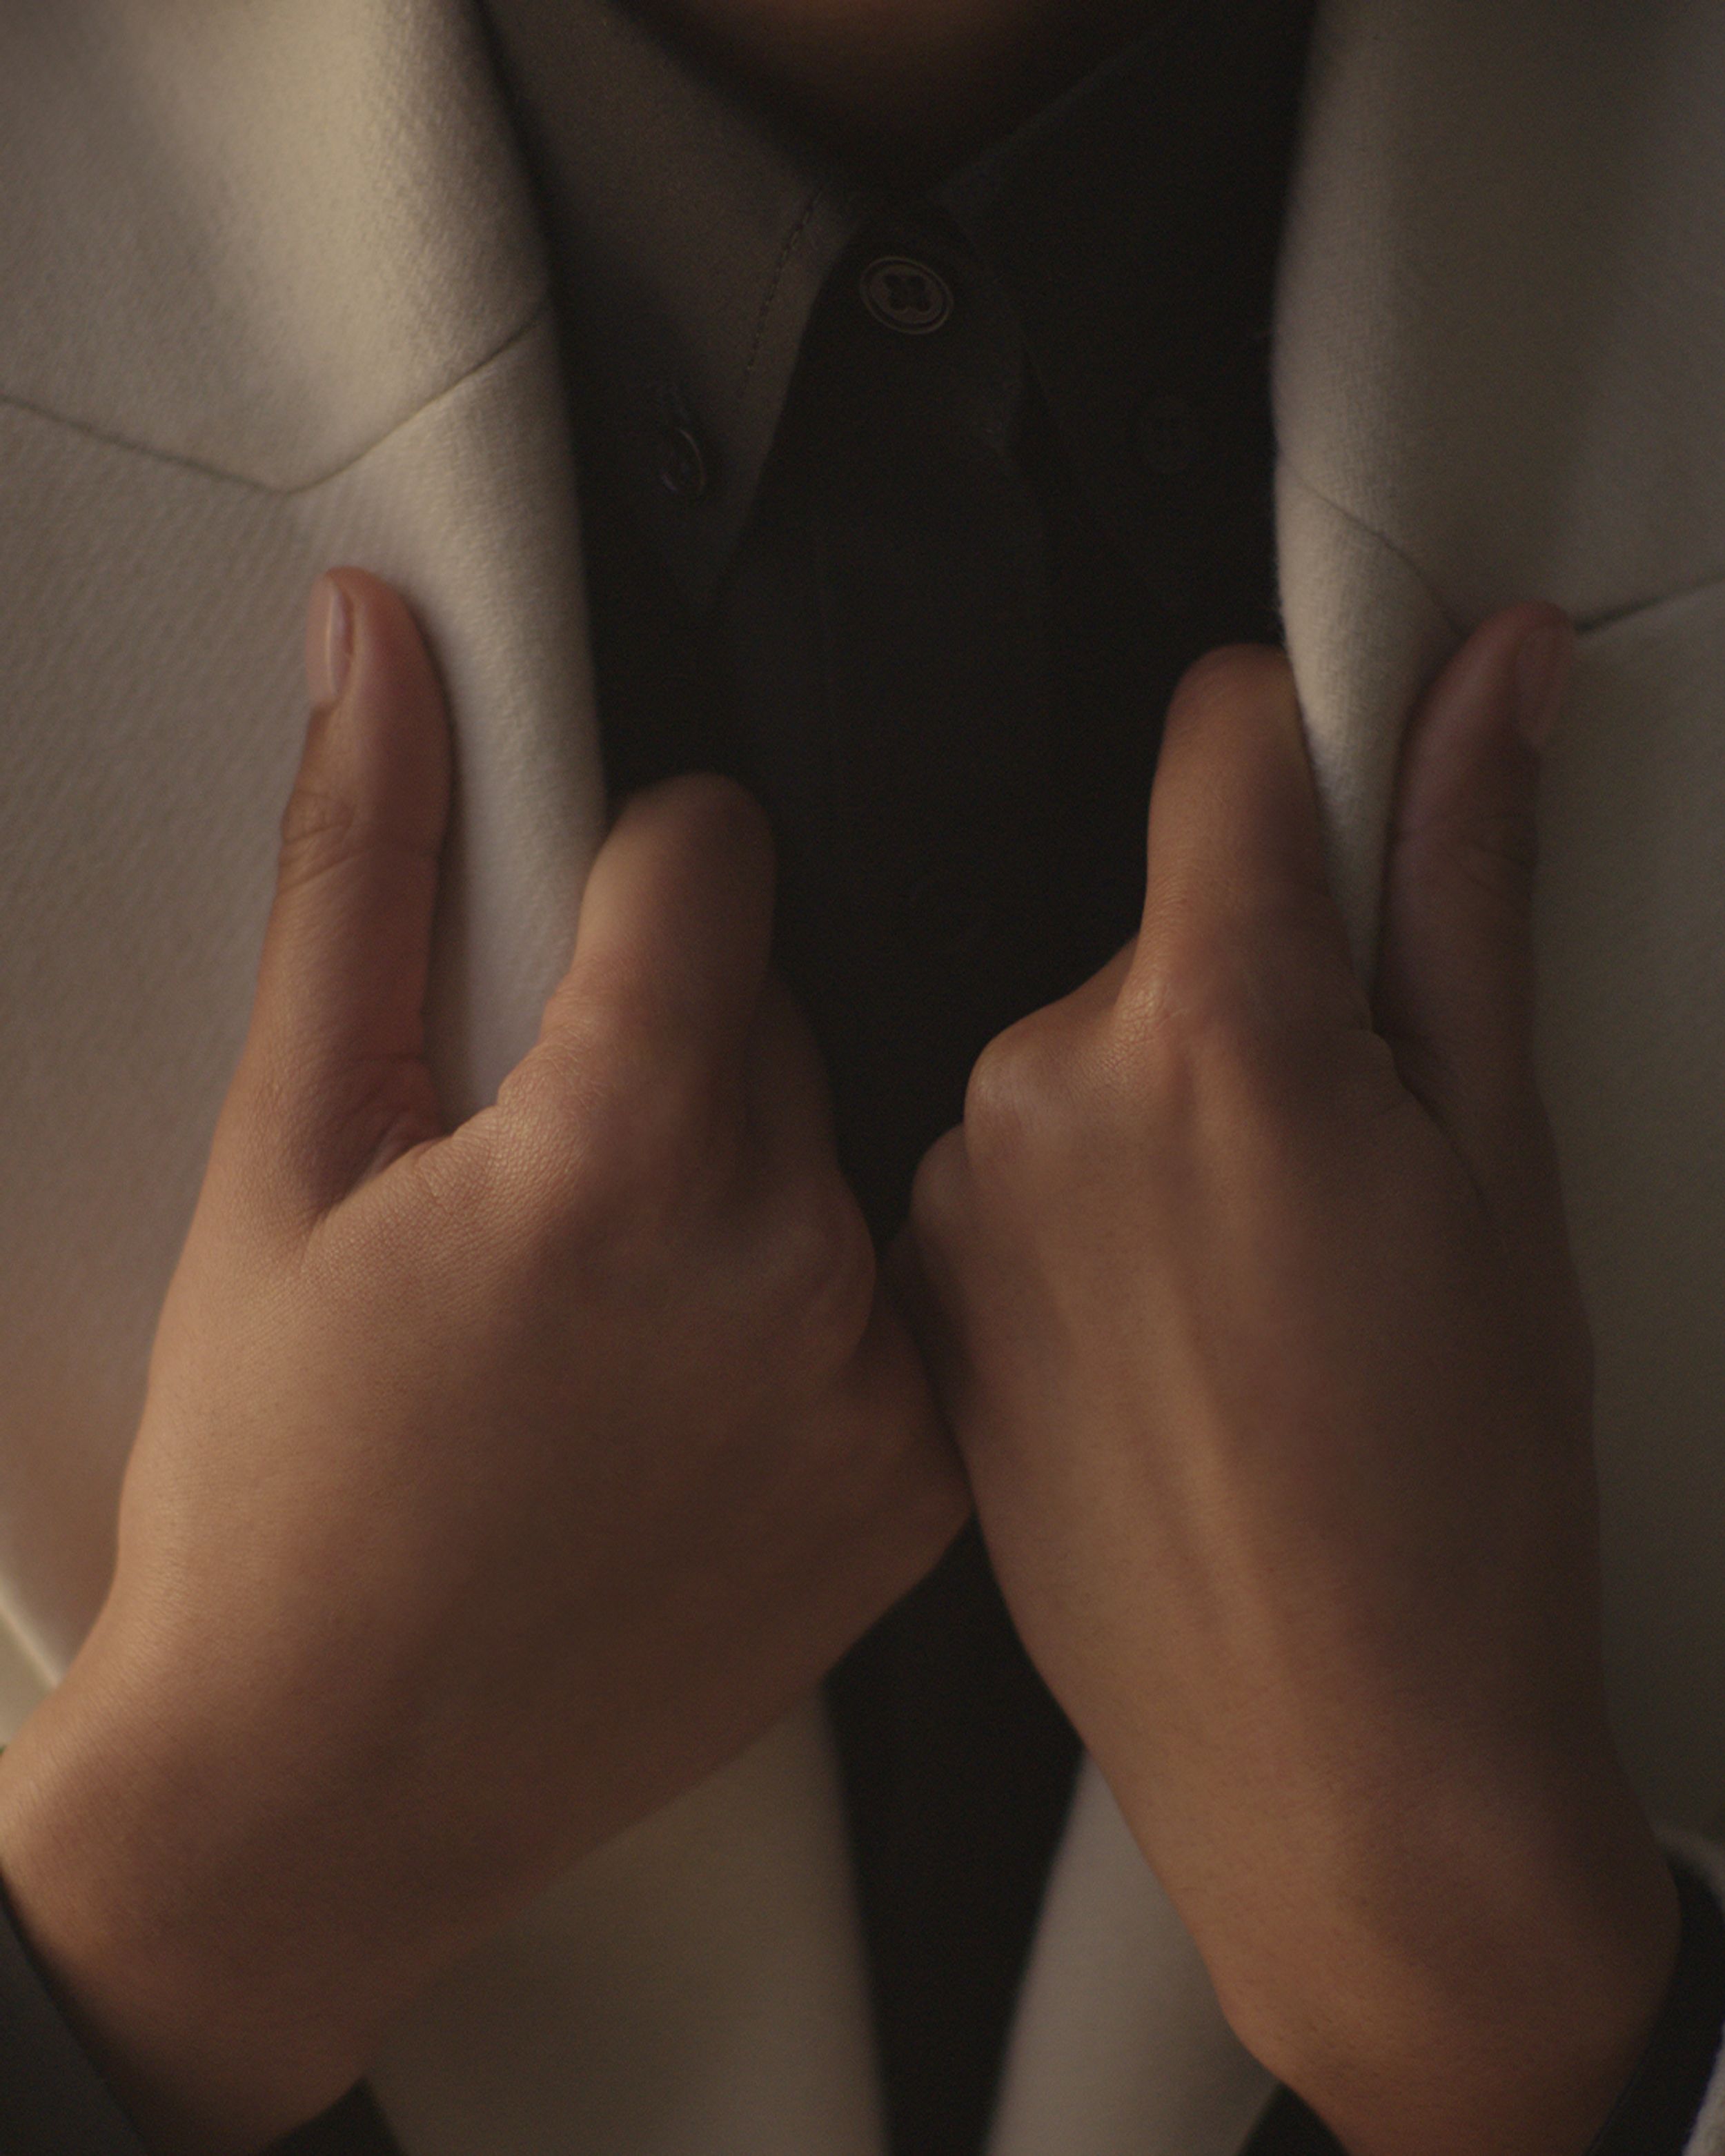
(769, 298)
(10, 402)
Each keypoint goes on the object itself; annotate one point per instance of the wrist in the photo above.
(219, 2018)
(1502, 1999)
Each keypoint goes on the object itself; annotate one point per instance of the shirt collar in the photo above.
(693, 240)
(694, 237)
(1137, 224)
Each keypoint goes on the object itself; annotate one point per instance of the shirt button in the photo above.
(683, 469)
(1169, 436)
(906, 295)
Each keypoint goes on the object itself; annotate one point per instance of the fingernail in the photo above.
(1542, 673)
(328, 642)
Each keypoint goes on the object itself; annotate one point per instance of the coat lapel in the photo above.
(1119, 2047)
(1496, 341)
(1501, 332)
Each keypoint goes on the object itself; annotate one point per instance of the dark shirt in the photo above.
(1019, 477)
(909, 509)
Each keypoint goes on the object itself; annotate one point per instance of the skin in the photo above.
(493, 1485)
(1250, 1302)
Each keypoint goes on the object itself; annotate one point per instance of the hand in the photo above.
(1252, 1307)
(493, 1487)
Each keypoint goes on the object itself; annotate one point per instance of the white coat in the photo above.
(272, 298)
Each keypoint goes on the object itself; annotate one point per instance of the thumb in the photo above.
(1454, 993)
(332, 1084)
(676, 927)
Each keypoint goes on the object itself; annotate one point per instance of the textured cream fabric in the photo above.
(1120, 2047)
(274, 298)
(254, 236)
(1499, 369)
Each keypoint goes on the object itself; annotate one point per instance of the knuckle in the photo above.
(824, 1259)
(1201, 1026)
(594, 1160)
(1205, 1062)
(1223, 997)
(937, 1191)
(450, 1179)
(607, 1035)
(1019, 1094)
(527, 1169)
(455, 1180)
(1166, 1006)
(612, 1095)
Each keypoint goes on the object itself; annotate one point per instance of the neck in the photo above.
(909, 85)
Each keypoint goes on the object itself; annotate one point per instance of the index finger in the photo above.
(1238, 885)
(674, 933)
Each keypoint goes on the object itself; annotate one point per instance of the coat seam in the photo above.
(1586, 625)
(10, 401)
(769, 298)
